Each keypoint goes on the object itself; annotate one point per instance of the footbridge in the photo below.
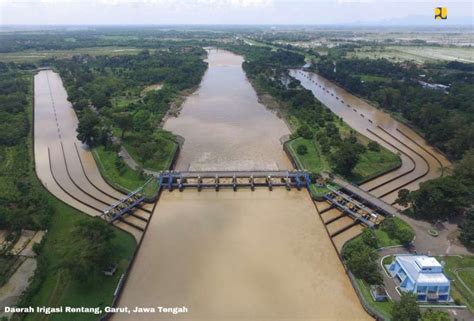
(355, 207)
(125, 205)
(233, 179)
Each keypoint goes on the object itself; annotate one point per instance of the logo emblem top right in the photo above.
(441, 13)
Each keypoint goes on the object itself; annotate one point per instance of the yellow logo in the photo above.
(441, 13)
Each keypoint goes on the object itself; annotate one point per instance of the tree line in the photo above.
(107, 92)
(445, 118)
(22, 205)
(268, 70)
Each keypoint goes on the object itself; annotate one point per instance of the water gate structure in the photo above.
(125, 205)
(233, 179)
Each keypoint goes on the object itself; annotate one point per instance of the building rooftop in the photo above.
(423, 269)
(427, 262)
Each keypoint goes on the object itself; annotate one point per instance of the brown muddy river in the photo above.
(224, 125)
(420, 161)
(236, 255)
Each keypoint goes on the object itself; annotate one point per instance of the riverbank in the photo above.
(371, 163)
(255, 232)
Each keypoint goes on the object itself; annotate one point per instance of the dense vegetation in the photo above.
(445, 117)
(109, 94)
(362, 258)
(447, 197)
(140, 37)
(325, 137)
(24, 204)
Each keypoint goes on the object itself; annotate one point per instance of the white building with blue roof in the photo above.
(421, 275)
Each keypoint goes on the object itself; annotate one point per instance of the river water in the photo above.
(420, 161)
(224, 125)
(236, 255)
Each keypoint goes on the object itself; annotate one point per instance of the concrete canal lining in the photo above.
(262, 255)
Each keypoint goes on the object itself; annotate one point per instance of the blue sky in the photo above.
(223, 11)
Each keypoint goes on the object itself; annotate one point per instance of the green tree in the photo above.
(88, 130)
(405, 236)
(406, 309)
(374, 146)
(302, 149)
(346, 158)
(431, 315)
(464, 170)
(440, 198)
(99, 100)
(305, 132)
(146, 150)
(124, 121)
(404, 197)
(89, 248)
(363, 264)
(369, 237)
(467, 229)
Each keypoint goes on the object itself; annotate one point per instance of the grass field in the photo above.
(37, 55)
(370, 163)
(127, 179)
(384, 239)
(419, 54)
(383, 308)
(461, 270)
(373, 163)
(58, 288)
(313, 160)
(163, 150)
(371, 78)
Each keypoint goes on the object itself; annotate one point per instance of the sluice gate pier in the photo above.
(352, 207)
(233, 179)
(127, 205)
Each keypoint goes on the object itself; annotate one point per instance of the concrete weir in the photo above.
(245, 255)
(234, 179)
(64, 165)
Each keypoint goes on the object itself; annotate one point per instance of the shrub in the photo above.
(406, 309)
(369, 238)
(374, 146)
(305, 132)
(405, 236)
(302, 149)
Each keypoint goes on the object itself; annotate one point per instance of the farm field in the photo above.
(32, 56)
(419, 54)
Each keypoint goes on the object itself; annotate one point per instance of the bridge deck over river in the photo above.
(233, 179)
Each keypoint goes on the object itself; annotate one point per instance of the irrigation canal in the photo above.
(250, 255)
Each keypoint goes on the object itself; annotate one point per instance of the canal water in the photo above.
(236, 255)
(63, 164)
(421, 161)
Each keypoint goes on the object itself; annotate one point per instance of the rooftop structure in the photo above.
(421, 275)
